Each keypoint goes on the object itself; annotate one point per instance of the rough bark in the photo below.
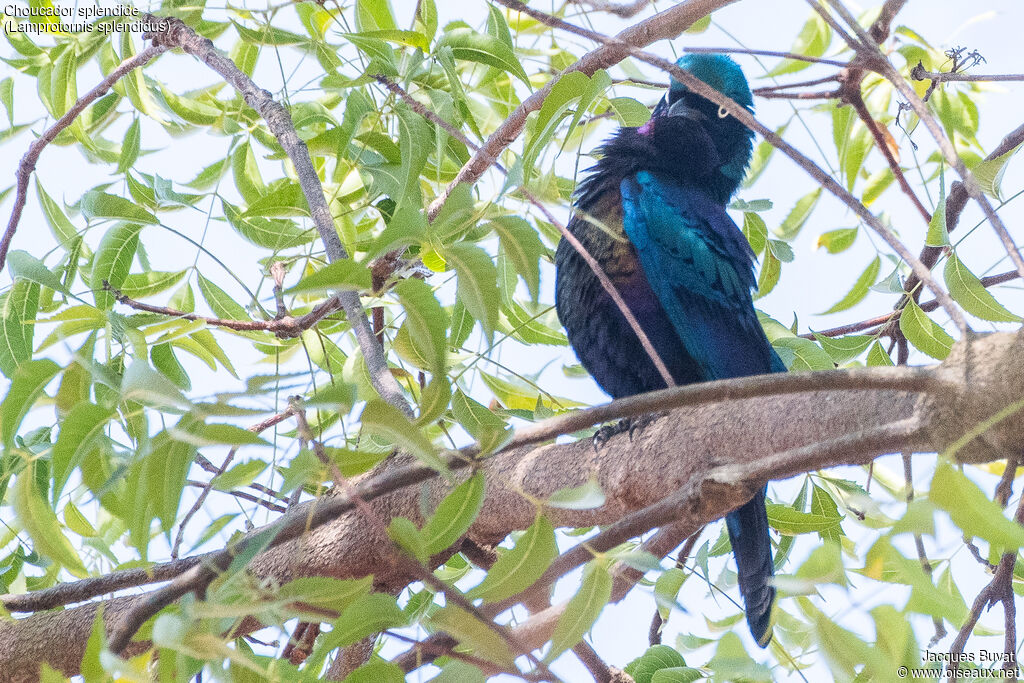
(700, 462)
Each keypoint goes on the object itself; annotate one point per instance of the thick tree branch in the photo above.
(690, 467)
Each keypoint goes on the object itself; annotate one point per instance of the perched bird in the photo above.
(652, 212)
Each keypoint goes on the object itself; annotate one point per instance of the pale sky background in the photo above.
(811, 284)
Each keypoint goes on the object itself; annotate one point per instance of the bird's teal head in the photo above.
(718, 71)
(682, 113)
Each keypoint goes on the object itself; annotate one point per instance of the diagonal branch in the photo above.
(175, 33)
(28, 162)
(284, 327)
(663, 25)
(870, 53)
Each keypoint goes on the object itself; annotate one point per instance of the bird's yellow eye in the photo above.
(722, 112)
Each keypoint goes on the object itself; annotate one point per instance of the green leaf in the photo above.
(584, 497)
(659, 660)
(343, 274)
(374, 15)
(798, 215)
(474, 634)
(802, 354)
(876, 184)
(222, 305)
(7, 98)
(141, 285)
(326, 592)
(989, 173)
(269, 233)
(434, 400)
(630, 113)
(762, 155)
(860, 288)
(247, 173)
(938, 234)
(518, 568)
(477, 282)
(454, 515)
(388, 422)
(924, 333)
(78, 431)
(877, 357)
(482, 424)
(467, 44)
(846, 348)
(39, 521)
(836, 241)
(522, 245)
(786, 520)
(566, 89)
(102, 205)
(403, 532)
(666, 588)
(240, 475)
(284, 198)
(812, 41)
(732, 663)
(59, 224)
(113, 260)
(218, 433)
(144, 384)
(972, 510)
(25, 265)
(27, 384)
(427, 322)
(582, 610)
(18, 308)
(369, 614)
(967, 290)
(755, 230)
(129, 147)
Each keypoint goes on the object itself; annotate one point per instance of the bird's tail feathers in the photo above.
(752, 547)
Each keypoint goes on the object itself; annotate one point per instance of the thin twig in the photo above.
(608, 287)
(86, 589)
(208, 486)
(273, 507)
(625, 10)
(813, 95)
(919, 73)
(284, 327)
(760, 53)
(799, 84)
(871, 55)
(999, 589)
(887, 318)
(856, 100)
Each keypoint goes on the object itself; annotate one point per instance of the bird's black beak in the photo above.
(680, 108)
(661, 109)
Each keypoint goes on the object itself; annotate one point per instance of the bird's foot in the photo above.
(628, 425)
